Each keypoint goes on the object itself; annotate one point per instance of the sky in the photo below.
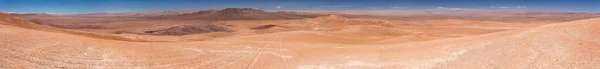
(115, 6)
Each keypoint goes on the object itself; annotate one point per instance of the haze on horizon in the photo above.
(114, 6)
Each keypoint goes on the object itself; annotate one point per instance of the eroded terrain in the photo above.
(319, 42)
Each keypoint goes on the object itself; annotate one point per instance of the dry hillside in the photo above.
(572, 44)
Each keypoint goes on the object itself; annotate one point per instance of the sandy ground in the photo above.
(328, 42)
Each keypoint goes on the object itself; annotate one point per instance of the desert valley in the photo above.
(240, 38)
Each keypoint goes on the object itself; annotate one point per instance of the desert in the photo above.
(249, 38)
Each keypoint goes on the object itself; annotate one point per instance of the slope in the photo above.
(563, 45)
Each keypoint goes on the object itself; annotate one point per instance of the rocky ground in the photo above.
(325, 42)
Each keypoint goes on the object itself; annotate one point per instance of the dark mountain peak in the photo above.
(235, 14)
(240, 10)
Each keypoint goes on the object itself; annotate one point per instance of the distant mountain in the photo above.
(224, 14)
(138, 14)
(236, 14)
(28, 14)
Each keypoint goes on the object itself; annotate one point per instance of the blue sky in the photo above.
(111, 6)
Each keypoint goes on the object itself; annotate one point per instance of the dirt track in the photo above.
(562, 45)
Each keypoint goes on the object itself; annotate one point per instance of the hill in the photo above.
(234, 14)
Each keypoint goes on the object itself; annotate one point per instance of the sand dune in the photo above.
(562, 45)
(186, 30)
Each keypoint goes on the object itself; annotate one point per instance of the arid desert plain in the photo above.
(247, 38)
